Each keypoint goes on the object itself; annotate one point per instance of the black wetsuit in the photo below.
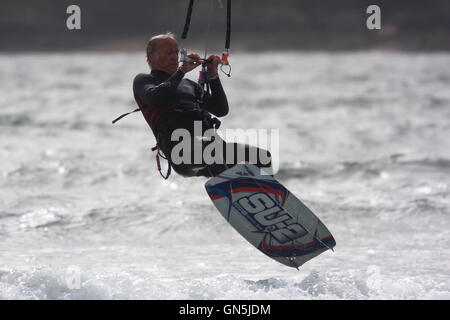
(169, 102)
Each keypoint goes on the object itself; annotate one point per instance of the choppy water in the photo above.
(364, 143)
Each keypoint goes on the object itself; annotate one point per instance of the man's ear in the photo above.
(153, 56)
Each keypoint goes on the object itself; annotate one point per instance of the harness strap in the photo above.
(125, 114)
(158, 164)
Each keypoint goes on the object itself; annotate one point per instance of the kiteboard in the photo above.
(268, 215)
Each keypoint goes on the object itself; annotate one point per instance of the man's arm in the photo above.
(217, 102)
(156, 95)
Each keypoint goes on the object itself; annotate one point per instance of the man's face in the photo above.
(166, 57)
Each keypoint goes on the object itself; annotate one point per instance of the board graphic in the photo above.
(270, 217)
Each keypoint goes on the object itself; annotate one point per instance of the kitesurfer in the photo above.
(169, 101)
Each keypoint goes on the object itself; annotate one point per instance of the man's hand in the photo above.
(212, 66)
(189, 66)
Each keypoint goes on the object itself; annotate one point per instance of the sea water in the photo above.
(364, 142)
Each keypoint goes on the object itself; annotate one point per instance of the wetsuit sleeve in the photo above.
(217, 102)
(157, 95)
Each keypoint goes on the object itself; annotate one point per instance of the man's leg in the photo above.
(234, 153)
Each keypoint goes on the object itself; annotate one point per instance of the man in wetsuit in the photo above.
(168, 102)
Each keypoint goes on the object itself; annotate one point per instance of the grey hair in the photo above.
(152, 45)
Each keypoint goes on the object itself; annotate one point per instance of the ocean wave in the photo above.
(365, 149)
(16, 120)
(60, 283)
(366, 169)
